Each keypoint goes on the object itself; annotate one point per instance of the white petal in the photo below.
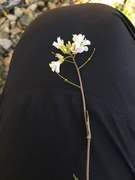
(74, 37)
(85, 48)
(57, 69)
(52, 68)
(86, 42)
(81, 37)
(55, 66)
(60, 41)
(80, 50)
(55, 45)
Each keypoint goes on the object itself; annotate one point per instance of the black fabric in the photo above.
(42, 131)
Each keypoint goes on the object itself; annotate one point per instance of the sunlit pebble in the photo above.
(18, 12)
(5, 43)
(11, 17)
(33, 7)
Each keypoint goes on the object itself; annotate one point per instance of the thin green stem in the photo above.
(87, 59)
(67, 57)
(69, 61)
(68, 81)
(81, 85)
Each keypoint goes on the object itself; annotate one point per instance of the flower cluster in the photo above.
(79, 45)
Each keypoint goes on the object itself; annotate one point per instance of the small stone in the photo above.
(4, 34)
(64, 4)
(37, 14)
(30, 1)
(7, 30)
(12, 24)
(5, 43)
(26, 19)
(45, 9)
(2, 20)
(51, 5)
(5, 25)
(15, 31)
(41, 3)
(11, 17)
(13, 3)
(18, 12)
(4, 29)
(33, 7)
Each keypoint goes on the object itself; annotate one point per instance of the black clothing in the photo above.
(42, 130)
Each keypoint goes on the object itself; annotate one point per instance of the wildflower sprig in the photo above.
(70, 50)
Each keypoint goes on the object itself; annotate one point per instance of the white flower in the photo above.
(59, 43)
(79, 43)
(55, 65)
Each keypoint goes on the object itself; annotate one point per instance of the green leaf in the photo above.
(75, 178)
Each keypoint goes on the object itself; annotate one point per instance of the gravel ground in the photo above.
(15, 16)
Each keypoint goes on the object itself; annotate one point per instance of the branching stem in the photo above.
(87, 59)
(68, 81)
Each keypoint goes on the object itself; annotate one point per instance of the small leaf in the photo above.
(75, 178)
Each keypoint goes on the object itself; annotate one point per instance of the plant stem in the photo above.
(67, 57)
(86, 118)
(87, 60)
(68, 81)
(68, 61)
